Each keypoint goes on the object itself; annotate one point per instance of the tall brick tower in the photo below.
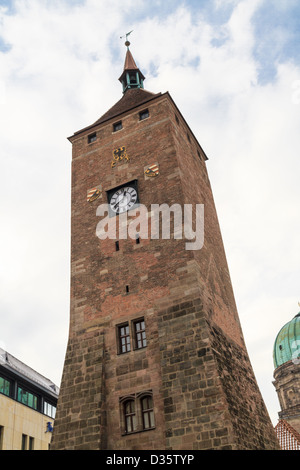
(155, 357)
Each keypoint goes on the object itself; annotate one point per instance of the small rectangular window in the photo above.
(24, 442)
(140, 334)
(49, 409)
(31, 443)
(1, 437)
(124, 338)
(144, 114)
(92, 138)
(27, 398)
(4, 386)
(117, 126)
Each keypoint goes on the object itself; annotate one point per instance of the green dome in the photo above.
(287, 343)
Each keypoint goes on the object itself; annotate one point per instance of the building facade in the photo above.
(156, 357)
(286, 356)
(27, 406)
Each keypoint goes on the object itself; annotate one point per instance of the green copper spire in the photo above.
(131, 77)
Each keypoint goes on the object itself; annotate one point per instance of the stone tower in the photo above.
(156, 357)
(286, 356)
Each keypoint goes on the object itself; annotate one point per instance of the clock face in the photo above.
(123, 199)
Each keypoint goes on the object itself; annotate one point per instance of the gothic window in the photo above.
(130, 417)
(137, 412)
(147, 412)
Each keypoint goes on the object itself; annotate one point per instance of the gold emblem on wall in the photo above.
(94, 194)
(152, 171)
(119, 155)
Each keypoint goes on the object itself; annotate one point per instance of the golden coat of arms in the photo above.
(119, 155)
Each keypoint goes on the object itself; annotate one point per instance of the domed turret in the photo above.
(286, 356)
(287, 343)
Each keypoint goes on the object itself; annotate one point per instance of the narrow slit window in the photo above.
(24, 442)
(31, 443)
(137, 239)
(127, 289)
(117, 246)
(1, 437)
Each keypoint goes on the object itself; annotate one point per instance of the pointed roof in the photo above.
(135, 94)
(129, 61)
(289, 438)
(131, 99)
(130, 66)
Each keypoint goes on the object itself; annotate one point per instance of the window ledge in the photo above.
(138, 431)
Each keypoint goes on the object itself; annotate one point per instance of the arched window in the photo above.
(147, 412)
(130, 416)
(137, 412)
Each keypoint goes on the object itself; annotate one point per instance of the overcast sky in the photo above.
(233, 69)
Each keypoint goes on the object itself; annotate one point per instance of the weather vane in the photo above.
(127, 43)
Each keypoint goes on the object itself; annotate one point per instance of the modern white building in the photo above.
(27, 406)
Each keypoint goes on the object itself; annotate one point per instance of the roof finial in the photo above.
(127, 43)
